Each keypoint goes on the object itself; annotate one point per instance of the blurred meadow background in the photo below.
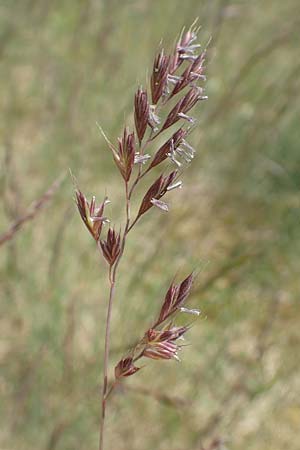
(65, 65)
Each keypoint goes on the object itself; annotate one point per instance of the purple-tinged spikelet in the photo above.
(183, 106)
(156, 191)
(141, 113)
(162, 344)
(126, 153)
(91, 214)
(159, 76)
(125, 368)
(175, 298)
(111, 247)
(171, 145)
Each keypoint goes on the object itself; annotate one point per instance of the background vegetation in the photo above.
(67, 64)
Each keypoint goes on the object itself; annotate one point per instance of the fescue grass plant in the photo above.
(176, 86)
(65, 65)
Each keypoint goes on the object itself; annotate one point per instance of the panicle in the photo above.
(177, 74)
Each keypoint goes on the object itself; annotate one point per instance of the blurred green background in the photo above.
(67, 64)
